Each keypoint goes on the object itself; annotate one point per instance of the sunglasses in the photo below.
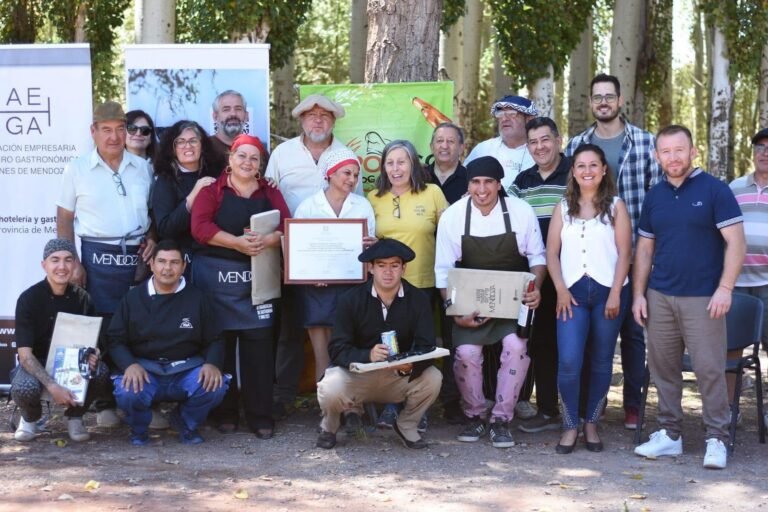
(144, 130)
(396, 203)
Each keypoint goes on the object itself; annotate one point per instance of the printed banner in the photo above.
(176, 82)
(45, 117)
(379, 113)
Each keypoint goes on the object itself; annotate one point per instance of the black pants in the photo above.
(26, 392)
(289, 360)
(256, 378)
(542, 348)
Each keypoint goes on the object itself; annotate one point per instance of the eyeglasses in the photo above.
(608, 98)
(760, 149)
(396, 202)
(499, 113)
(144, 130)
(180, 143)
(322, 116)
(119, 184)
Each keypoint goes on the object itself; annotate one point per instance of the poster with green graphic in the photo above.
(379, 113)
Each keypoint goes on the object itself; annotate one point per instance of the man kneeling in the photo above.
(385, 303)
(164, 339)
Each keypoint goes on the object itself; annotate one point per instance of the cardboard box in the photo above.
(495, 294)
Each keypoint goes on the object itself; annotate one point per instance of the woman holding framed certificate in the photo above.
(337, 201)
(221, 224)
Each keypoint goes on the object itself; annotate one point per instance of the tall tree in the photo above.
(543, 93)
(403, 37)
(629, 18)
(358, 35)
(722, 100)
(654, 73)
(468, 85)
(581, 73)
(763, 95)
(155, 21)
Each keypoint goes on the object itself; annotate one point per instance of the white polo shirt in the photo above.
(297, 175)
(316, 206)
(451, 228)
(89, 190)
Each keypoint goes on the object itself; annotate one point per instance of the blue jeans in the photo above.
(182, 387)
(588, 326)
(632, 357)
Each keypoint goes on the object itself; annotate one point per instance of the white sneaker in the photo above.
(660, 444)
(77, 431)
(525, 410)
(108, 418)
(159, 421)
(717, 455)
(26, 431)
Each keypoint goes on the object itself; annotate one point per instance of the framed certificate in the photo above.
(324, 251)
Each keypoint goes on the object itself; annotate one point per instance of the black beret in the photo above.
(387, 248)
(486, 166)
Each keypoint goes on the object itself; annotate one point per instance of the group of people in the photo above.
(605, 226)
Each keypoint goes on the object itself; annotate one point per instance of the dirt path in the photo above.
(376, 472)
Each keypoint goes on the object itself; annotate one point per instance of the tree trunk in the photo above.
(403, 37)
(449, 61)
(284, 98)
(358, 34)
(467, 92)
(626, 44)
(762, 99)
(699, 78)
(722, 100)
(542, 93)
(82, 11)
(579, 111)
(155, 21)
(502, 83)
(558, 113)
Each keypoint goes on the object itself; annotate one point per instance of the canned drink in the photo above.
(389, 338)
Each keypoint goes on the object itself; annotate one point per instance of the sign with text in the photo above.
(379, 113)
(45, 118)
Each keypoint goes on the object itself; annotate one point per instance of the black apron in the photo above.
(226, 274)
(496, 252)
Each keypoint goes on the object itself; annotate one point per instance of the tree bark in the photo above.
(449, 60)
(581, 72)
(558, 113)
(284, 98)
(155, 21)
(403, 37)
(626, 44)
(467, 92)
(722, 101)
(543, 93)
(699, 78)
(358, 35)
(80, 36)
(762, 99)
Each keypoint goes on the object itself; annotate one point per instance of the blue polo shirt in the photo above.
(685, 223)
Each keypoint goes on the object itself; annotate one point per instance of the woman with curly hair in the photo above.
(589, 246)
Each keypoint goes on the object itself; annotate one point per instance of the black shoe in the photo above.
(474, 430)
(564, 449)
(594, 447)
(414, 445)
(326, 440)
(353, 423)
(500, 435)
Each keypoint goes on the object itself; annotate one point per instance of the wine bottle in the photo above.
(525, 316)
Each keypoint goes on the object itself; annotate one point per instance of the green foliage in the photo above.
(19, 21)
(657, 59)
(452, 11)
(217, 21)
(535, 33)
(103, 17)
(602, 25)
(322, 49)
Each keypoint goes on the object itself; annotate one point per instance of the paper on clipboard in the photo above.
(369, 367)
(265, 267)
(71, 333)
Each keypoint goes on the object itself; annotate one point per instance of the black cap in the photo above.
(762, 134)
(387, 248)
(487, 167)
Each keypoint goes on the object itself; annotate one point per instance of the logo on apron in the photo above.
(185, 324)
(235, 277)
(115, 260)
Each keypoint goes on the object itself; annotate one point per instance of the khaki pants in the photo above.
(676, 323)
(341, 390)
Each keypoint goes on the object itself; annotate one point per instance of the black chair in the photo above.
(744, 327)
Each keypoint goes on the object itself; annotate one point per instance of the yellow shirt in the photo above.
(416, 228)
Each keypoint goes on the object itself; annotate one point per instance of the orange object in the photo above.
(433, 116)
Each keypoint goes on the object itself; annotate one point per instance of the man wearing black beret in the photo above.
(385, 303)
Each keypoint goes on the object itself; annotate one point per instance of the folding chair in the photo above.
(744, 327)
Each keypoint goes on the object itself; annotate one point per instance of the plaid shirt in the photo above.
(638, 169)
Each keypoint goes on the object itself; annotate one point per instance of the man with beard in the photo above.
(295, 166)
(509, 148)
(230, 114)
(682, 296)
(629, 151)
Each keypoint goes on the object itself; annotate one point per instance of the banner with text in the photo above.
(379, 113)
(45, 117)
(177, 82)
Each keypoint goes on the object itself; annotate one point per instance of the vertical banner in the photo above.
(45, 117)
(180, 82)
(379, 113)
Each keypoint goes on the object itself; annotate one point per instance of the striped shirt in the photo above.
(638, 169)
(543, 195)
(753, 202)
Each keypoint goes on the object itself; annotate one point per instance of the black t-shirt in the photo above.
(36, 311)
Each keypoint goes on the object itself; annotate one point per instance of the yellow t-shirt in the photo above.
(416, 228)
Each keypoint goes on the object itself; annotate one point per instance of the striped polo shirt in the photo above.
(542, 195)
(753, 202)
